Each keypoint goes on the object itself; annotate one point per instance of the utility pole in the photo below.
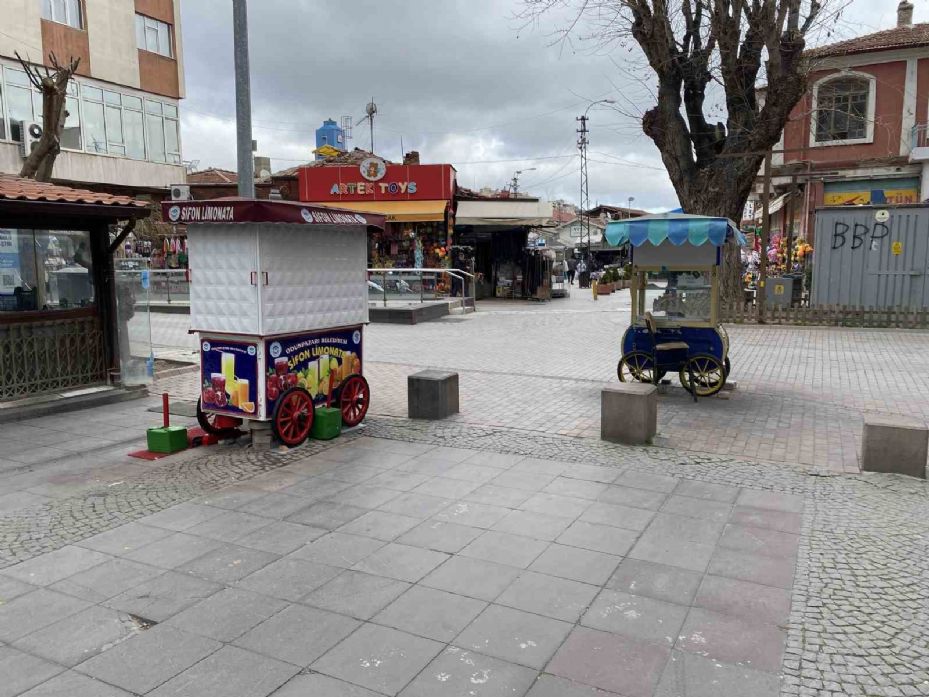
(243, 100)
(514, 184)
(761, 287)
(582, 142)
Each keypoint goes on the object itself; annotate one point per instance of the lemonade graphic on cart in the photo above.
(279, 299)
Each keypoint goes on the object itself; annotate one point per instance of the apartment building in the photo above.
(122, 131)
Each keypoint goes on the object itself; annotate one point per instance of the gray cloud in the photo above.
(458, 80)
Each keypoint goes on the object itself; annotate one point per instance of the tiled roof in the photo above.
(898, 37)
(350, 157)
(13, 188)
(213, 175)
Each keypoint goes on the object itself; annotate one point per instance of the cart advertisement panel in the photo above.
(316, 362)
(229, 376)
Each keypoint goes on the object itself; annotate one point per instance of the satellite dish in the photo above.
(264, 174)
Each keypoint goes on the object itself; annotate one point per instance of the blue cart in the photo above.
(676, 262)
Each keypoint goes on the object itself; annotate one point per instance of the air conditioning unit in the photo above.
(180, 192)
(31, 134)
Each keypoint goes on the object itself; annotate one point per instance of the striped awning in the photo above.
(677, 228)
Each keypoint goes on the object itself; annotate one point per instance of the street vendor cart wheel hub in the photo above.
(709, 375)
(354, 400)
(293, 416)
(636, 366)
(217, 424)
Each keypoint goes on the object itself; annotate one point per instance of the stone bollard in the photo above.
(261, 435)
(432, 394)
(629, 413)
(894, 444)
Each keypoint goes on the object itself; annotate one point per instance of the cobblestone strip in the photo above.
(860, 618)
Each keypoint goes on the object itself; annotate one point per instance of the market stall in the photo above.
(279, 300)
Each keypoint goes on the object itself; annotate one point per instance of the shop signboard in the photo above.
(229, 375)
(871, 192)
(375, 180)
(314, 361)
(9, 260)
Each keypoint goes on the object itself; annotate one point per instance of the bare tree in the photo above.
(53, 85)
(700, 46)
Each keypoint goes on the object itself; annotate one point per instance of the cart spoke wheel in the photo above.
(709, 375)
(293, 416)
(636, 366)
(354, 400)
(210, 422)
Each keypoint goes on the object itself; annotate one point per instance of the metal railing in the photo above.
(919, 137)
(424, 284)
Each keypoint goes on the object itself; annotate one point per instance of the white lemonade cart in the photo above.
(279, 299)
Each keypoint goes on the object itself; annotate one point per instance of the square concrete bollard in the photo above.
(432, 394)
(895, 444)
(629, 413)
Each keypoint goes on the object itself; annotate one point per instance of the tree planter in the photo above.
(604, 288)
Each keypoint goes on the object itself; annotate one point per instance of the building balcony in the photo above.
(919, 143)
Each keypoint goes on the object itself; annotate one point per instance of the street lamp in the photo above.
(585, 188)
(629, 209)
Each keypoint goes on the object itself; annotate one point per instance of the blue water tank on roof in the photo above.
(330, 133)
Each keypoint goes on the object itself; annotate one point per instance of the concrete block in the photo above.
(432, 394)
(895, 444)
(629, 413)
(260, 432)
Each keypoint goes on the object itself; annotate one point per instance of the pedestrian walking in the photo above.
(572, 266)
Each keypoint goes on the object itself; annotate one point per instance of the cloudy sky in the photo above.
(462, 81)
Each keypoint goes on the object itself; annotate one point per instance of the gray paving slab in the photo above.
(610, 662)
(105, 580)
(228, 563)
(575, 488)
(416, 505)
(79, 637)
(672, 551)
(379, 658)
(339, 549)
(430, 613)
(163, 596)
(401, 562)
(227, 614)
(445, 488)
(289, 578)
(515, 636)
(11, 588)
(33, 611)
(771, 543)
(73, 684)
(317, 685)
(559, 598)
(756, 568)
(459, 672)
(689, 675)
(56, 565)
(783, 521)
(617, 516)
(474, 578)
(229, 671)
(327, 514)
(22, 671)
(173, 551)
(472, 472)
(505, 548)
(670, 584)
(771, 500)
(440, 536)
(478, 515)
(400, 481)
(731, 640)
(228, 526)
(124, 539)
(298, 634)
(707, 491)
(538, 526)
(526, 480)
(633, 497)
(697, 508)
(364, 496)
(356, 594)
(576, 564)
(636, 616)
(182, 517)
(380, 525)
(751, 602)
(496, 495)
(553, 686)
(599, 538)
(555, 504)
(281, 537)
(645, 480)
(130, 665)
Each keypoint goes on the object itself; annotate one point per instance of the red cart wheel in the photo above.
(293, 416)
(354, 400)
(217, 424)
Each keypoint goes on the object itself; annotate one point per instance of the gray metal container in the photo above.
(874, 256)
(780, 291)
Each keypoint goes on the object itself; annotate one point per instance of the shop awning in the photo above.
(504, 212)
(396, 211)
(773, 207)
(677, 228)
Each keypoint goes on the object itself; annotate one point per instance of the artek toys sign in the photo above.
(374, 180)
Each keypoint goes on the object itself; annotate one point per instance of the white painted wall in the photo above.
(21, 19)
(179, 48)
(100, 169)
(114, 56)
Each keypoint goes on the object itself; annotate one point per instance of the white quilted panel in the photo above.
(222, 298)
(316, 277)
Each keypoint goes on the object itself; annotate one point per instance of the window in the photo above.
(63, 11)
(45, 270)
(19, 102)
(844, 110)
(134, 130)
(94, 124)
(153, 35)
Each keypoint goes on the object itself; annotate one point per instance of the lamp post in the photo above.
(582, 142)
(629, 209)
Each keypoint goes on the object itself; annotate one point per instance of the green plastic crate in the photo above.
(327, 424)
(171, 439)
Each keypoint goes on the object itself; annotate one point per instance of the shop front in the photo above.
(415, 199)
(58, 312)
